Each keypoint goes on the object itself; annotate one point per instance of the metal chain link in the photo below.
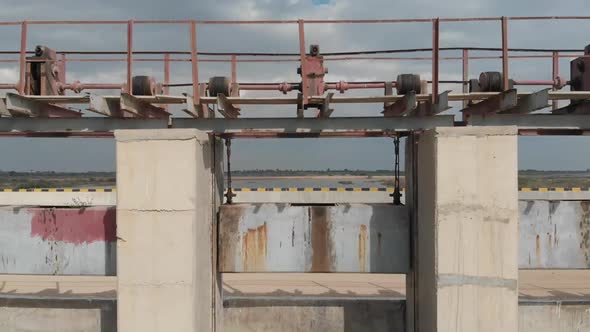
(229, 195)
(397, 194)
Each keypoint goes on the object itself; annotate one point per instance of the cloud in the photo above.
(283, 38)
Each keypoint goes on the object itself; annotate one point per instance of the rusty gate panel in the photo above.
(273, 237)
(554, 234)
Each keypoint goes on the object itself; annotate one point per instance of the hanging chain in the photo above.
(397, 194)
(229, 195)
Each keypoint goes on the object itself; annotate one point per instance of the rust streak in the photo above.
(254, 249)
(321, 243)
(585, 231)
(362, 248)
(538, 249)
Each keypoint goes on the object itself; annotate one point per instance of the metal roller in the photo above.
(143, 86)
(408, 82)
(219, 85)
(490, 81)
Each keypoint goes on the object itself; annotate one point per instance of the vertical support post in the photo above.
(234, 70)
(167, 73)
(555, 75)
(130, 57)
(463, 198)
(505, 72)
(194, 63)
(435, 59)
(167, 276)
(166, 76)
(302, 55)
(465, 75)
(23, 58)
(63, 68)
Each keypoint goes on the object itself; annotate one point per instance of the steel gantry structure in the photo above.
(38, 104)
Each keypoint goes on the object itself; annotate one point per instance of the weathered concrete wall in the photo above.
(78, 241)
(554, 234)
(254, 315)
(340, 238)
(336, 315)
(56, 315)
(554, 317)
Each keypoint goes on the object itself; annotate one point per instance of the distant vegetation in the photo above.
(298, 172)
(26, 180)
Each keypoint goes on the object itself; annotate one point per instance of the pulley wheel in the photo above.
(408, 82)
(219, 85)
(474, 85)
(490, 81)
(142, 85)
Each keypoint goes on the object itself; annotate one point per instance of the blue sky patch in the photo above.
(320, 2)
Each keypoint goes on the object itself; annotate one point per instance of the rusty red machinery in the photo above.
(43, 91)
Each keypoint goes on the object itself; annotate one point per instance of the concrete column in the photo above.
(465, 259)
(168, 188)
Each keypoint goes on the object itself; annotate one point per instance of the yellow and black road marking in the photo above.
(59, 190)
(288, 189)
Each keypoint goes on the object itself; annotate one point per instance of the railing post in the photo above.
(130, 57)
(23, 58)
(194, 62)
(505, 73)
(302, 55)
(465, 75)
(234, 70)
(435, 59)
(555, 76)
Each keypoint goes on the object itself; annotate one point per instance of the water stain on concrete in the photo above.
(321, 242)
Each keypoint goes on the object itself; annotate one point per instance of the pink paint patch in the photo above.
(74, 225)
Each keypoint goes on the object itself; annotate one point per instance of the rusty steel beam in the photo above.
(498, 103)
(530, 103)
(20, 106)
(226, 107)
(103, 106)
(401, 107)
(429, 108)
(141, 108)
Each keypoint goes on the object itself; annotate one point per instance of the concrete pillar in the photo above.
(465, 230)
(168, 188)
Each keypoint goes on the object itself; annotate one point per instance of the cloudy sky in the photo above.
(98, 154)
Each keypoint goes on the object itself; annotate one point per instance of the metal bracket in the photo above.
(577, 107)
(141, 108)
(501, 102)
(530, 103)
(429, 108)
(300, 105)
(3, 110)
(108, 107)
(20, 106)
(403, 106)
(325, 110)
(226, 108)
